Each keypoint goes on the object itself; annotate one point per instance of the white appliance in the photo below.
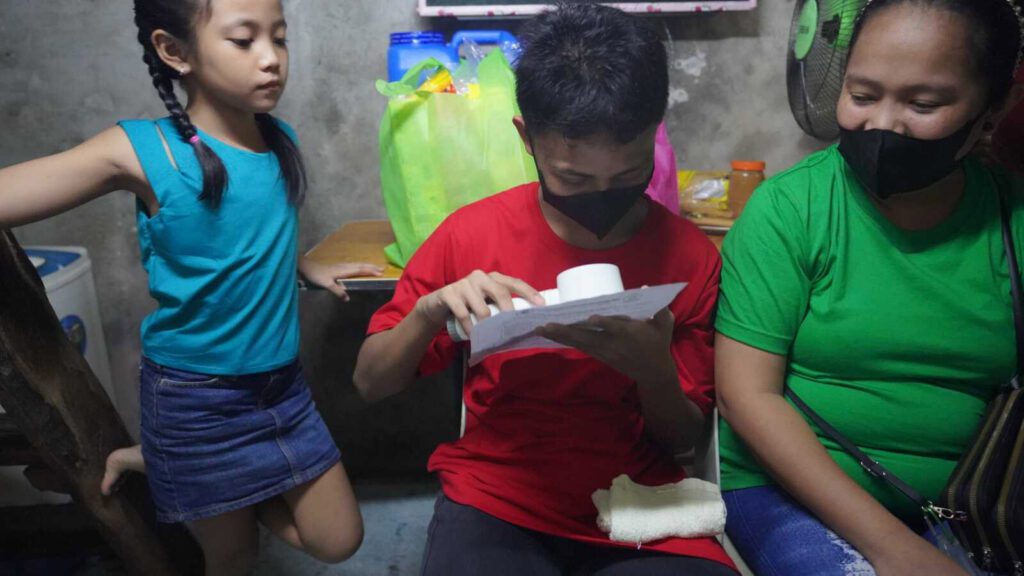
(66, 272)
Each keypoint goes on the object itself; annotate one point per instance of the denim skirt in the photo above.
(214, 444)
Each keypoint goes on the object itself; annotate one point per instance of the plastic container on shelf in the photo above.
(409, 48)
(745, 177)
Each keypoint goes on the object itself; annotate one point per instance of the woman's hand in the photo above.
(915, 557)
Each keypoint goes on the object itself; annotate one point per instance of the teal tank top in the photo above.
(225, 279)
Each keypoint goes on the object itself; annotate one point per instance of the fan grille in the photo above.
(816, 79)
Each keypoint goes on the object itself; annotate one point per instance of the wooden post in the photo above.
(49, 391)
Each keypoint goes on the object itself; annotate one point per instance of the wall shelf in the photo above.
(521, 8)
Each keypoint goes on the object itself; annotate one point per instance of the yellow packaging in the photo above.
(704, 194)
(438, 83)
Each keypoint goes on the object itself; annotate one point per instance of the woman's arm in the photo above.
(750, 397)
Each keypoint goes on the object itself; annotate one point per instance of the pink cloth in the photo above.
(664, 187)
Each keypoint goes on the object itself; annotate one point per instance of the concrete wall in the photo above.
(70, 68)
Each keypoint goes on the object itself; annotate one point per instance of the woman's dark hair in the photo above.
(588, 69)
(995, 34)
(178, 18)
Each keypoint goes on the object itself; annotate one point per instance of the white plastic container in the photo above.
(66, 272)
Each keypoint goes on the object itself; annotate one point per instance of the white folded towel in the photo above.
(629, 512)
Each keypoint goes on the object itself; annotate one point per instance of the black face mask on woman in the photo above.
(887, 163)
(597, 211)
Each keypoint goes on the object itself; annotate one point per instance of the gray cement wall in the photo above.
(70, 68)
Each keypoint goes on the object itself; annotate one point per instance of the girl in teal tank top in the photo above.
(229, 430)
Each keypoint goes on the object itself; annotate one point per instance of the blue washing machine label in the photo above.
(53, 260)
(74, 328)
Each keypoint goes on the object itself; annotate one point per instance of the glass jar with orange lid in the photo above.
(745, 177)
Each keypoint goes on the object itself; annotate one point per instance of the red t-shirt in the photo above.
(546, 428)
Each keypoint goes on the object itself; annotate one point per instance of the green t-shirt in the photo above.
(897, 338)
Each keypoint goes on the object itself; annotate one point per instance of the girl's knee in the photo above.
(337, 547)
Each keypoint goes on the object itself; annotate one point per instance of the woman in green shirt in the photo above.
(871, 279)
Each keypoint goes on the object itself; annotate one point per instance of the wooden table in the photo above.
(714, 228)
(360, 241)
(364, 241)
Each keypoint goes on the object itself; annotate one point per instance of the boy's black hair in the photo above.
(589, 70)
(178, 18)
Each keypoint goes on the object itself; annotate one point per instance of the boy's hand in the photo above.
(330, 276)
(470, 296)
(639, 349)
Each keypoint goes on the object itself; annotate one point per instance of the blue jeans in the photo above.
(778, 537)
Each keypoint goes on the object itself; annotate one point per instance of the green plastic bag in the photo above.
(439, 152)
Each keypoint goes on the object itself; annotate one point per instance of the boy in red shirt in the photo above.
(546, 428)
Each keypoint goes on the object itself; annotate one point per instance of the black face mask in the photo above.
(598, 211)
(887, 163)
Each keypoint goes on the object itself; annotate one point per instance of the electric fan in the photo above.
(819, 41)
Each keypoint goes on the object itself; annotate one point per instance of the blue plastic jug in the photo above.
(410, 48)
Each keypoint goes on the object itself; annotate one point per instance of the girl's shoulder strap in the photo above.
(153, 150)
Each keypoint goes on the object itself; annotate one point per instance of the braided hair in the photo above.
(997, 35)
(177, 18)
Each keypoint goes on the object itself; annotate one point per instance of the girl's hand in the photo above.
(330, 276)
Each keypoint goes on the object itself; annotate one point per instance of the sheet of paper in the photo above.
(514, 330)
